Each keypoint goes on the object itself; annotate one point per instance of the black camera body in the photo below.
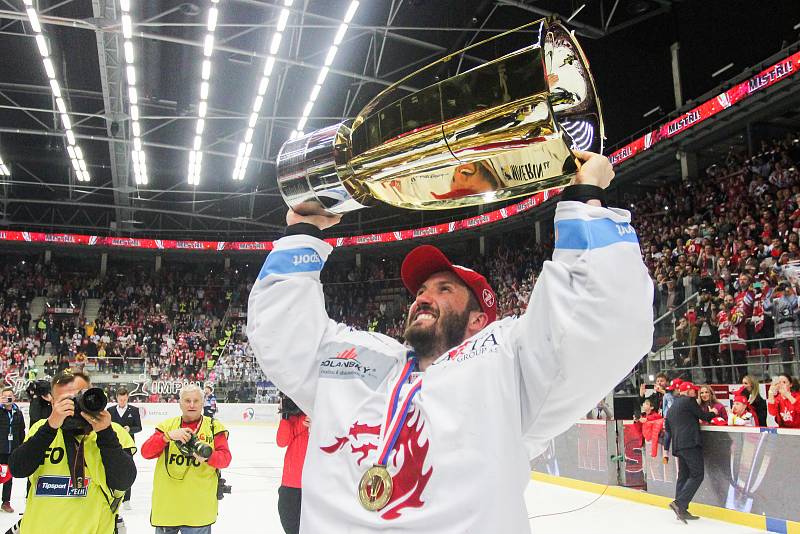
(222, 488)
(194, 446)
(91, 401)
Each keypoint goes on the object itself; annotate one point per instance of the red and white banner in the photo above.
(244, 246)
(779, 71)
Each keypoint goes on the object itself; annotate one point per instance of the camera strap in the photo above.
(77, 471)
(186, 470)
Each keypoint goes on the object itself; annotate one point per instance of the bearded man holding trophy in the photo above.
(436, 434)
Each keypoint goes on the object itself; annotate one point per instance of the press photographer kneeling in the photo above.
(78, 462)
(191, 449)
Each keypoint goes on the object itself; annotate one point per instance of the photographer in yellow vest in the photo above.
(77, 461)
(190, 450)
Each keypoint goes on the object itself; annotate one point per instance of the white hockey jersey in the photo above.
(486, 407)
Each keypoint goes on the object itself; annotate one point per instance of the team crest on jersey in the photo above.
(407, 466)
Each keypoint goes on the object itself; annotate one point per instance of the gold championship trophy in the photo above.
(501, 130)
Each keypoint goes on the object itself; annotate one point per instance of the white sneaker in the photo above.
(126, 505)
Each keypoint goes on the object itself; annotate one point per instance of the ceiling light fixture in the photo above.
(138, 159)
(246, 147)
(196, 156)
(323, 73)
(73, 151)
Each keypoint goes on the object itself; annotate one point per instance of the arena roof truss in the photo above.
(155, 91)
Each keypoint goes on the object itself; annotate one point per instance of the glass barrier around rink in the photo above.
(725, 363)
(666, 322)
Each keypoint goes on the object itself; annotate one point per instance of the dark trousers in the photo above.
(7, 486)
(289, 509)
(690, 475)
(707, 357)
(786, 347)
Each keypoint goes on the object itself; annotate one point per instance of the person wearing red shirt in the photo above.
(292, 434)
(783, 401)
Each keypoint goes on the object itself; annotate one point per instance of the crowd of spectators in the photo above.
(746, 406)
(730, 235)
(163, 324)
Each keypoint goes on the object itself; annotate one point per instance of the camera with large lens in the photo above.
(91, 401)
(287, 407)
(194, 446)
(222, 488)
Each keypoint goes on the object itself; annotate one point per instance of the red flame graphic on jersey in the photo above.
(407, 460)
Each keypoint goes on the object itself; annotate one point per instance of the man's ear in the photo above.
(477, 321)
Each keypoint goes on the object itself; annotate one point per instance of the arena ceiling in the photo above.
(627, 42)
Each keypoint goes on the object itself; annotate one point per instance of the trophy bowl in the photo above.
(504, 129)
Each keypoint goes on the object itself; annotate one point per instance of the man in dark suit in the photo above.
(12, 434)
(682, 431)
(128, 417)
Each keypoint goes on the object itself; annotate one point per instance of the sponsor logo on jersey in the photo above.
(471, 348)
(357, 363)
(347, 354)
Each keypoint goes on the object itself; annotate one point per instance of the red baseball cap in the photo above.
(426, 260)
(741, 398)
(686, 386)
(676, 382)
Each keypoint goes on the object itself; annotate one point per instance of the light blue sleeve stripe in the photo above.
(294, 260)
(580, 234)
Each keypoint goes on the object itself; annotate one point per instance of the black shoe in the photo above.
(678, 512)
(689, 516)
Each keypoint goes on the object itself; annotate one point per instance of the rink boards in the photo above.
(747, 470)
(232, 414)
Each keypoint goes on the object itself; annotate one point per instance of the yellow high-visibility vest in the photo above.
(185, 489)
(54, 505)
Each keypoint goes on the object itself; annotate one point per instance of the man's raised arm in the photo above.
(286, 317)
(589, 320)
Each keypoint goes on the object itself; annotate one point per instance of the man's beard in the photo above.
(446, 332)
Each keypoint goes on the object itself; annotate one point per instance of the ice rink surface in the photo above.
(255, 475)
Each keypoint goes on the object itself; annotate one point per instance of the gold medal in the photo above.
(375, 488)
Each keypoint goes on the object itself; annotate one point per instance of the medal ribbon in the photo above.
(396, 417)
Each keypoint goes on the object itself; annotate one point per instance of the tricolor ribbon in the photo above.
(395, 417)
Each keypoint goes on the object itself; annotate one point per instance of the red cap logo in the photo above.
(488, 298)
